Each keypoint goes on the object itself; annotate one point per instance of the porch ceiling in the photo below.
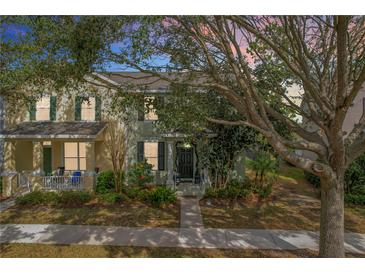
(55, 130)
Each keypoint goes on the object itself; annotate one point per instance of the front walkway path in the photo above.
(171, 237)
(190, 215)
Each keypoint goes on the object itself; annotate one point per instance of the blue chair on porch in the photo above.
(76, 177)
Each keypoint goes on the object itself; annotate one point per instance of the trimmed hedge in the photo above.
(54, 198)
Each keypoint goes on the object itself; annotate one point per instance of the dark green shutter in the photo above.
(78, 102)
(161, 155)
(140, 151)
(53, 108)
(141, 111)
(32, 110)
(97, 108)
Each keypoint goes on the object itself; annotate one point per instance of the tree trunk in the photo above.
(332, 218)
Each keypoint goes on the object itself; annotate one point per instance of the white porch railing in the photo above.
(63, 182)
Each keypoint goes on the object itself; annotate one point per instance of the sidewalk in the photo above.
(171, 237)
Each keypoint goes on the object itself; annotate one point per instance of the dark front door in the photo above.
(47, 160)
(185, 162)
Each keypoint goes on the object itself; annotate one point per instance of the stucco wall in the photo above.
(24, 155)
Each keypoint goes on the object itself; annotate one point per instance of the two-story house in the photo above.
(59, 140)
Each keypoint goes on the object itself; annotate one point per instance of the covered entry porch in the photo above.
(51, 155)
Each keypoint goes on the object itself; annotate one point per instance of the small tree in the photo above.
(116, 145)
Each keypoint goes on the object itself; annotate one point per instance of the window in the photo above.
(150, 113)
(88, 109)
(43, 108)
(75, 156)
(151, 153)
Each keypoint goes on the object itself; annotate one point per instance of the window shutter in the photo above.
(53, 108)
(141, 111)
(78, 102)
(97, 108)
(161, 155)
(32, 110)
(140, 151)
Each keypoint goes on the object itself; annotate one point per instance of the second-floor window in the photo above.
(44, 109)
(88, 109)
(149, 110)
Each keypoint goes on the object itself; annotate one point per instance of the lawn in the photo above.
(90, 251)
(294, 204)
(129, 213)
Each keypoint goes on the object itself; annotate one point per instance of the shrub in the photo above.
(264, 165)
(38, 198)
(263, 191)
(105, 182)
(131, 192)
(234, 190)
(356, 199)
(111, 197)
(313, 179)
(140, 174)
(160, 196)
(74, 197)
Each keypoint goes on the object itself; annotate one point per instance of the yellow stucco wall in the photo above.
(24, 155)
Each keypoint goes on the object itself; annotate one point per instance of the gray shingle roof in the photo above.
(47, 129)
(148, 82)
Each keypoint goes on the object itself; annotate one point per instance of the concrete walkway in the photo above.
(190, 215)
(171, 237)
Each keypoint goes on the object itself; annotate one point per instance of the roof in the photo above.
(147, 81)
(54, 130)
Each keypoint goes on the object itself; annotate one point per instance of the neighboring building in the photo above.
(60, 141)
(356, 111)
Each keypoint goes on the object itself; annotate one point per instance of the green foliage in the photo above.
(140, 174)
(1, 185)
(355, 199)
(105, 182)
(111, 197)
(74, 198)
(313, 179)
(265, 167)
(354, 178)
(263, 191)
(38, 198)
(160, 196)
(67, 198)
(234, 190)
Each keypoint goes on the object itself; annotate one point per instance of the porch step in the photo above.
(189, 189)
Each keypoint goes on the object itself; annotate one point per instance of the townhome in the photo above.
(60, 141)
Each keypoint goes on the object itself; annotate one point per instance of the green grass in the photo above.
(131, 213)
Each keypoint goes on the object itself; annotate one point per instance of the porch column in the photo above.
(170, 163)
(9, 173)
(36, 179)
(90, 165)
(37, 158)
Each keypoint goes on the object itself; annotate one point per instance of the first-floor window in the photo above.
(75, 156)
(151, 153)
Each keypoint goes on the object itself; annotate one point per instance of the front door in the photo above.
(185, 162)
(47, 160)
